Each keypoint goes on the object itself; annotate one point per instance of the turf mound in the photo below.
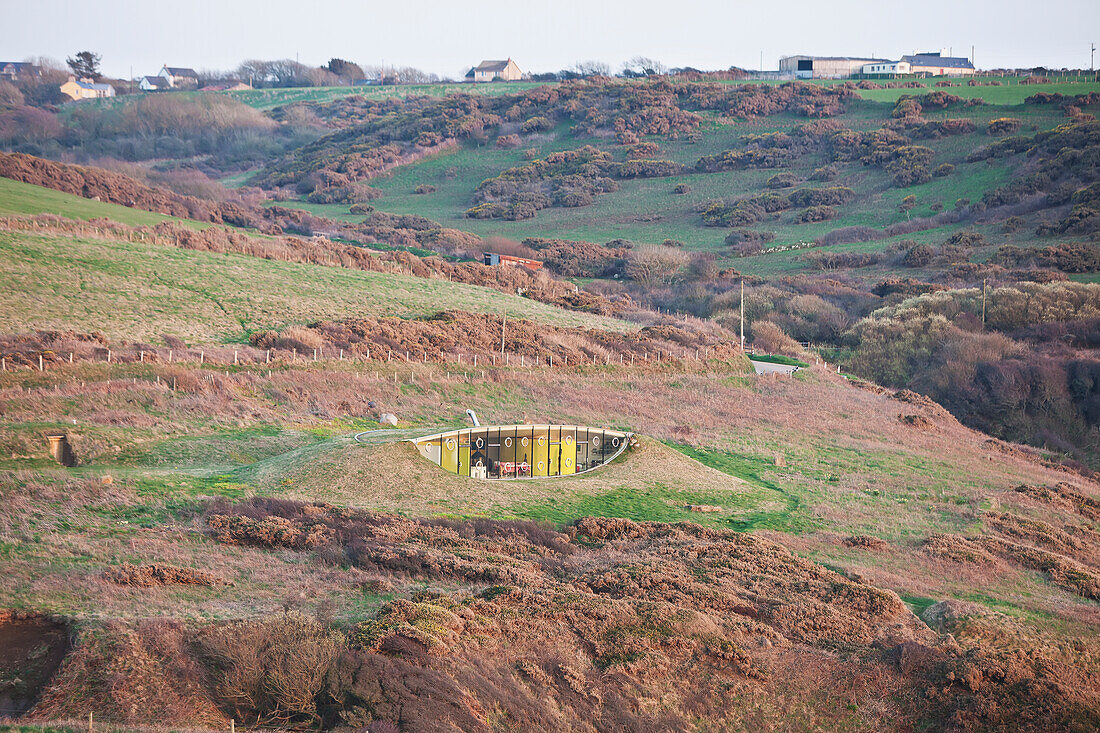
(347, 472)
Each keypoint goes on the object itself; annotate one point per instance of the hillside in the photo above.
(245, 540)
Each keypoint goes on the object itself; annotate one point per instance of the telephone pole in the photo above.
(1092, 58)
(742, 315)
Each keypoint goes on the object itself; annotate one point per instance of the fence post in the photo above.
(70, 357)
(234, 356)
(170, 354)
(202, 356)
(108, 356)
(269, 356)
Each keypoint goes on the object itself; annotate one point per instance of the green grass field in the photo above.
(19, 199)
(648, 211)
(142, 291)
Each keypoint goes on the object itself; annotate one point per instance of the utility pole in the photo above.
(983, 303)
(742, 315)
(1092, 58)
(503, 320)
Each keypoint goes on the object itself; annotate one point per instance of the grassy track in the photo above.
(141, 291)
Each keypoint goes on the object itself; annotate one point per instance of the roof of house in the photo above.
(181, 71)
(91, 85)
(836, 58)
(934, 59)
(492, 65)
(155, 81)
(18, 65)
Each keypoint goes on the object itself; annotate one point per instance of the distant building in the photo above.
(492, 258)
(180, 77)
(824, 67)
(154, 84)
(86, 89)
(936, 64)
(18, 70)
(887, 68)
(506, 70)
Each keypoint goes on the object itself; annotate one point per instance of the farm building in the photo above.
(887, 68)
(506, 70)
(18, 70)
(86, 89)
(492, 258)
(153, 84)
(824, 67)
(179, 77)
(936, 64)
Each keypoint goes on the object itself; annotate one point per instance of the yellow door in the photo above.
(464, 453)
(554, 465)
(568, 450)
(449, 454)
(541, 456)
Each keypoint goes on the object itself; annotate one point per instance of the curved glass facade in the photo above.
(522, 451)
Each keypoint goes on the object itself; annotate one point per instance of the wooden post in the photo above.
(202, 356)
(551, 361)
(632, 358)
(170, 354)
(232, 725)
(315, 354)
(89, 721)
(341, 354)
(141, 356)
(108, 356)
(40, 365)
(475, 361)
(269, 356)
(235, 356)
(70, 357)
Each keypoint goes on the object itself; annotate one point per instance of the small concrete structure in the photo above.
(387, 418)
(61, 450)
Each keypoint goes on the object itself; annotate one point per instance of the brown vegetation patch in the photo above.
(983, 550)
(449, 333)
(1065, 496)
(920, 422)
(154, 574)
(866, 542)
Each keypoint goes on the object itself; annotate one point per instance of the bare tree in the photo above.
(641, 66)
(651, 265)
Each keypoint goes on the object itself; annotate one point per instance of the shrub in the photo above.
(782, 180)
(919, 256)
(769, 337)
(1003, 126)
(424, 188)
(824, 173)
(907, 203)
(361, 209)
(818, 213)
(944, 169)
(508, 142)
(536, 124)
(681, 188)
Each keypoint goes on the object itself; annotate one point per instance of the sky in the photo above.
(449, 37)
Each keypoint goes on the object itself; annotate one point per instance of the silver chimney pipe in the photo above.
(473, 417)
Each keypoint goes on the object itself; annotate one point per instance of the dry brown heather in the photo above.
(613, 625)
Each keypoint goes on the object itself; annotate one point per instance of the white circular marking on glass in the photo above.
(615, 442)
(480, 443)
(542, 466)
(450, 443)
(508, 442)
(523, 442)
(542, 440)
(568, 462)
(595, 440)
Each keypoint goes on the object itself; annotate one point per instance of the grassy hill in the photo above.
(648, 211)
(18, 199)
(142, 291)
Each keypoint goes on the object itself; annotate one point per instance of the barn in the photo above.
(824, 67)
